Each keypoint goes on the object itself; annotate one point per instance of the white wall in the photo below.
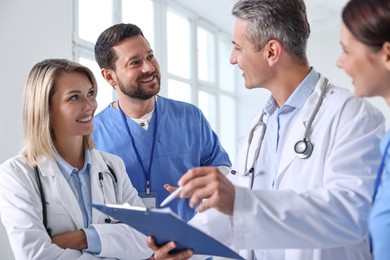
(30, 32)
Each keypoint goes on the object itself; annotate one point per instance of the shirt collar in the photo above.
(298, 98)
(68, 169)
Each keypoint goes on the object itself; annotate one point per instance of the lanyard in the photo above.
(145, 172)
(380, 172)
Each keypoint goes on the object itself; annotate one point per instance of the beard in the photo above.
(136, 90)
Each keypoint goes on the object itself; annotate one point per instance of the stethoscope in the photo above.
(303, 148)
(43, 200)
(115, 184)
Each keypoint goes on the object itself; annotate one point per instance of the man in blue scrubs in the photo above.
(159, 139)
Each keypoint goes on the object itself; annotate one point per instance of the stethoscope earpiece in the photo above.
(303, 149)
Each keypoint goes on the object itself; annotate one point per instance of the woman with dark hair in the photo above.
(365, 40)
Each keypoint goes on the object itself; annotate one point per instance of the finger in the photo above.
(194, 173)
(204, 194)
(183, 255)
(203, 187)
(192, 186)
(170, 188)
(163, 252)
(150, 242)
(189, 175)
(219, 195)
(206, 204)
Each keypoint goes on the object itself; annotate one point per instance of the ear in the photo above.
(273, 51)
(386, 55)
(109, 76)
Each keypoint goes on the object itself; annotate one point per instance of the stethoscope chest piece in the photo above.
(303, 149)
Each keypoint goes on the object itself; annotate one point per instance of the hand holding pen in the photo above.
(171, 197)
(209, 187)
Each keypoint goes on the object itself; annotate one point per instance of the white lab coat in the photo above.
(318, 207)
(21, 210)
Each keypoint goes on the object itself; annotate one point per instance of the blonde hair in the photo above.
(38, 92)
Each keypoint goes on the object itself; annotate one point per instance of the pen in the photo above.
(171, 197)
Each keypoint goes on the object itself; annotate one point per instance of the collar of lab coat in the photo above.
(49, 168)
(298, 130)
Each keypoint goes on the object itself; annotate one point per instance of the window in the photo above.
(206, 55)
(179, 90)
(208, 104)
(89, 25)
(178, 45)
(92, 23)
(140, 13)
(193, 56)
(104, 89)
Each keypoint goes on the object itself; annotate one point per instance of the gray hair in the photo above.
(281, 20)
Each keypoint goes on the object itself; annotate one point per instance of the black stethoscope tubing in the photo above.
(43, 200)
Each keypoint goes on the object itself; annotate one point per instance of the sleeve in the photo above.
(225, 170)
(120, 240)
(93, 241)
(332, 213)
(210, 223)
(21, 214)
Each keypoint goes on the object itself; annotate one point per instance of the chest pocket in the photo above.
(58, 219)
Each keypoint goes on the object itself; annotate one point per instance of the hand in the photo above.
(163, 252)
(209, 184)
(73, 240)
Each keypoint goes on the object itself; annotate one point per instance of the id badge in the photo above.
(150, 200)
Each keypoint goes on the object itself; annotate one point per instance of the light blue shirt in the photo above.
(280, 120)
(80, 183)
(379, 221)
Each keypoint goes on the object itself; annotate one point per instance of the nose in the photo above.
(233, 59)
(148, 66)
(90, 104)
(339, 61)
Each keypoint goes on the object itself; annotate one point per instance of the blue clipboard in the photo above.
(164, 225)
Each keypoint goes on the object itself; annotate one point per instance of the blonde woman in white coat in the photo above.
(47, 191)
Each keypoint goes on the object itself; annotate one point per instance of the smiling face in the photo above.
(253, 63)
(137, 71)
(366, 67)
(72, 106)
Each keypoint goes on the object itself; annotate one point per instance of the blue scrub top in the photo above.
(184, 140)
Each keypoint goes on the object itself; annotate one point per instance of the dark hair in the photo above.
(104, 54)
(283, 20)
(368, 21)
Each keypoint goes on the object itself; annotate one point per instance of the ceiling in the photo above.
(322, 14)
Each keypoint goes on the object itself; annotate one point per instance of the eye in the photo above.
(74, 98)
(134, 63)
(150, 57)
(91, 93)
(344, 49)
